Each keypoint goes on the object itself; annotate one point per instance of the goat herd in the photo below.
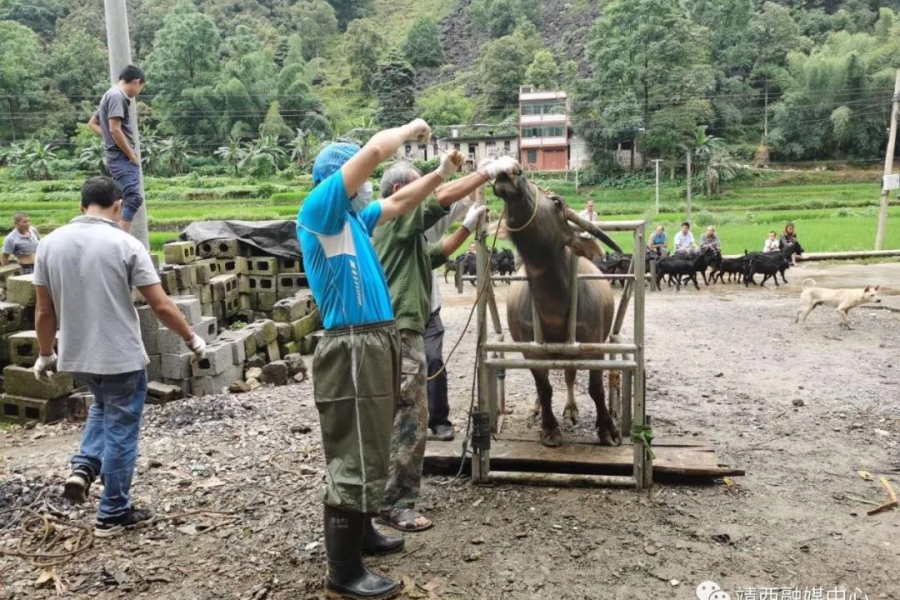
(677, 269)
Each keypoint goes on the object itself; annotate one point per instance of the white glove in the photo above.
(471, 220)
(420, 130)
(44, 365)
(504, 164)
(450, 164)
(198, 346)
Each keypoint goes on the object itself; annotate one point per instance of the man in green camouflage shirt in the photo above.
(408, 260)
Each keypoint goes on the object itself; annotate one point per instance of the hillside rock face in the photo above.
(565, 30)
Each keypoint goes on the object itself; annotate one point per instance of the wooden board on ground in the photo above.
(580, 455)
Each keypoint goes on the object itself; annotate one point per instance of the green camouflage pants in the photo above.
(410, 425)
(356, 379)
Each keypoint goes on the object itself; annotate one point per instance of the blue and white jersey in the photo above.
(343, 270)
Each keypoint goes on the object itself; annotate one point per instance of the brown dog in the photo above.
(840, 300)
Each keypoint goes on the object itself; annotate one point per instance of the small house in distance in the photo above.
(543, 129)
(474, 141)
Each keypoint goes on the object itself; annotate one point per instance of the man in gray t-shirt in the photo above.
(114, 124)
(83, 279)
(21, 242)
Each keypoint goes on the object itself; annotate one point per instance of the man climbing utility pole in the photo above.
(119, 45)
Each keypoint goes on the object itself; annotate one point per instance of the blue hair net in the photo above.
(330, 159)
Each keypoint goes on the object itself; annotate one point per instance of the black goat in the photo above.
(770, 263)
(683, 266)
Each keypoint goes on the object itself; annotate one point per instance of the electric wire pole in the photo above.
(119, 46)
(888, 167)
(656, 162)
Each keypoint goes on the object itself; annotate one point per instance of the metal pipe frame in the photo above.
(552, 364)
(557, 348)
(631, 361)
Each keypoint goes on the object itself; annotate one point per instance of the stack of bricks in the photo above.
(261, 304)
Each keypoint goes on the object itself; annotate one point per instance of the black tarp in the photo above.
(278, 238)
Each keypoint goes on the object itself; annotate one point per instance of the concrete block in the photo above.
(245, 337)
(20, 381)
(20, 290)
(206, 309)
(150, 339)
(265, 302)
(296, 364)
(286, 348)
(219, 356)
(223, 287)
(176, 366)
(284, 332)
(180, 253)
(169, 281)
(245, 302)
(292, 283)
(154, 258)
(78, 405)
(232, 306)
(154, 368)
(243, 284)
(218, 309)
(161, 393)
(217, 384)
(11, 316)
(284, 295)
(238, 352)
(232, 266)
(189, 307)
(305, 326)
(272, 352)
(224, 248)
(169, 342)
(186, 276)
(4, 349)
(265, 332)
(18, 409)
(28, 313)
(205, 294)
(206, 270)
(184, 384)
(23, 348)
(276, 373)
(290, 265)
(262, 265)
(147, 319)
(257, 361)
(7, 271)
(290, 309)
(260, 284)
(207, 328)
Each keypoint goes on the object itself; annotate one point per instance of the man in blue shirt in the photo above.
(356, 367)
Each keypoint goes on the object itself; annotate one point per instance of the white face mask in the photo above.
(363, 197)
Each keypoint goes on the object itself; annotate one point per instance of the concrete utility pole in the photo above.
(119, 46)
(689, 199)
(656, 162)
(888, 167)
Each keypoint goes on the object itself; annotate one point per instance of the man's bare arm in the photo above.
(115, 130)
(378, 149)
(94, 124)
(45, 320)
(166, 311)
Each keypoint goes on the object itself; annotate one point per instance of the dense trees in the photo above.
(796, 79)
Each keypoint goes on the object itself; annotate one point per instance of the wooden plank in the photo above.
(687, 441)
(529, 455)
(561, 479)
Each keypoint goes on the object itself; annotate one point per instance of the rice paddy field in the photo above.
(829, 216)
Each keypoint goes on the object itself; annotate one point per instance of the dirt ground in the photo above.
(801, 408)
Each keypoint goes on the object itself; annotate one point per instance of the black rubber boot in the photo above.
(347, 576)
(375, 542)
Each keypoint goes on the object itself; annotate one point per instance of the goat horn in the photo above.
(595, 231)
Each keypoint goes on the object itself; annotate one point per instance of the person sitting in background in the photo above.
(684, 240)
(22, 242)
(659, 243)
(788, 237)
(710, 240)
(771, 244)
